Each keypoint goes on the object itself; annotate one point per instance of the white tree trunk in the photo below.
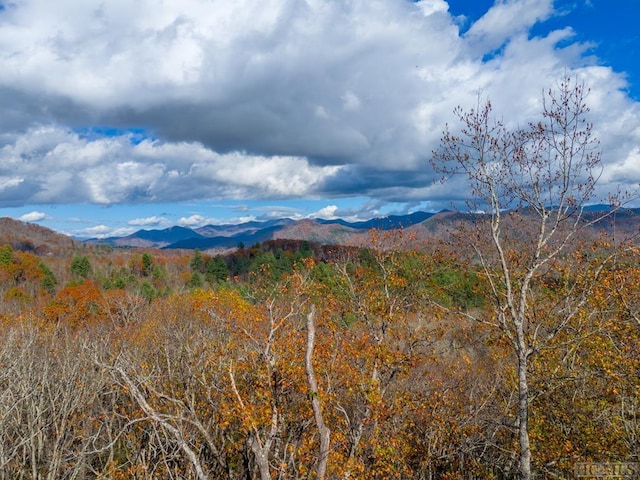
(323, 430)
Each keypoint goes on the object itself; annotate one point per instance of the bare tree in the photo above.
(47, 390)
(323, 430)
(165, 421)
(533, 184)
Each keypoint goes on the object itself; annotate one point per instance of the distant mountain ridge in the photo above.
(421, 227)
(231, 235)
(168, 235)
(392, 222)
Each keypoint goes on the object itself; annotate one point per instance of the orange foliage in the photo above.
(77, 305)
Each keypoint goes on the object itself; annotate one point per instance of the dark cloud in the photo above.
(269, 98)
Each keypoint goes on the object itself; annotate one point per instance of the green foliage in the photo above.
(305, 250)
(239, 264)
(147, 264)
(81, 267)
(273, 264)
(49, 280)
(457, 287)
(120, 279)
(195, 281)
(332, 283)
(147, 291)
(274, 258)
(197, 261)
(216, 270)
(264, 264)
(18, 295)
(367, 259)
(158, 274)
(6, 255)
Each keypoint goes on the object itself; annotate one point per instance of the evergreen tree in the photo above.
(81, 267)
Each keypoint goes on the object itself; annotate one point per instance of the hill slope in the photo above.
(30, 237)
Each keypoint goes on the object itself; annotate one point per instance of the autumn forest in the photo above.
(509, 349)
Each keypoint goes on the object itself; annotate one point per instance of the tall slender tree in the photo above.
(533, 184)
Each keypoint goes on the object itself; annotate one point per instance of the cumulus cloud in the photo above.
(98, 230)
(33, 217)
(62, 166)
(267, 98)
(628, 167)
(197, 220)
(148, 222)
(328, 212)
(193, 221)
(102, 231)
(506, 19)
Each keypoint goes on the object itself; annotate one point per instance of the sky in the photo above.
(127, 114)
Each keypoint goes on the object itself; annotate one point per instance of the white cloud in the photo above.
(118, 232)
(8, 182)
(148, 222)
(628, 167)
(61, 166)
(328, 212)
(33, 217)
(433, 6)
(102, 231)
(98, 230)
(267, 98)
(505, 19)
(194, 221)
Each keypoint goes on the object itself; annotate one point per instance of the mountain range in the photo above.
(222, 237)
(420, 225)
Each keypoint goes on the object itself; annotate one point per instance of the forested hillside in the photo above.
(147, 364)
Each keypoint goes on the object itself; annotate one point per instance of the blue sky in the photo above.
(116, 116)
(609, 26)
